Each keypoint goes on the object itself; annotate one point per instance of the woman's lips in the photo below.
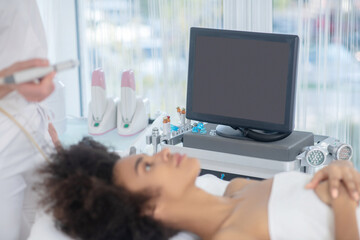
(179, 158)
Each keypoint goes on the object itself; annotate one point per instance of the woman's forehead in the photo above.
(128, 163)
(123, 162)
(131, 158)
(126, 169)
(122, 169)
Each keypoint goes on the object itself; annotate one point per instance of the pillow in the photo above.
(44, 227)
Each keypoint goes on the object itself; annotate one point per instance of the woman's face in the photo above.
(170, 173)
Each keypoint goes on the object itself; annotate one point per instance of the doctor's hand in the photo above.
(31, 91)
(337, 173)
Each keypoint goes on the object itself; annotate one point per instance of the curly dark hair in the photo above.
(80, 193)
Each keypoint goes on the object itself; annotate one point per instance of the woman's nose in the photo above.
(164, 155)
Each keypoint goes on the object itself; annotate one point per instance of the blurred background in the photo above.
(152, 38)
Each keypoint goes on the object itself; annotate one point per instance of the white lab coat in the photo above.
(21, 37)
(22, 34)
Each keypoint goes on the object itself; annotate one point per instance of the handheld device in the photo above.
(132, 111)
(98, 95)
(31, 74)
(102, 109)
(337, 149)
(128, 96)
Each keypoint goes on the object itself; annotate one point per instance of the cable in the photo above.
(27, 134)
(263, 137)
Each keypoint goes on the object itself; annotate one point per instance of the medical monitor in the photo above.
(242, 79)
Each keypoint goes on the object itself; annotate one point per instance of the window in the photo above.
(328, 90)
(149, 37)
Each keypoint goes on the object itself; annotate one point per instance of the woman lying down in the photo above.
(93, 194)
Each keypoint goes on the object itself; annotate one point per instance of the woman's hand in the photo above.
(337, 172)
(33, 92)
(54, 136)
(344, 209)
(323, 194)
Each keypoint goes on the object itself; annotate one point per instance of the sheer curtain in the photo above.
(58, 17)
(248, 15)
(149, 37)
(328, 90)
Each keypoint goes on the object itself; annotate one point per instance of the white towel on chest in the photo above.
(296, 212)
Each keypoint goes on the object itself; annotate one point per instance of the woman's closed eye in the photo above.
(148, 166)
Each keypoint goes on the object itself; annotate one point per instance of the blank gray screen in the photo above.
(241, 78)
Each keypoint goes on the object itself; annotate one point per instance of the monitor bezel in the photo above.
(292, 40)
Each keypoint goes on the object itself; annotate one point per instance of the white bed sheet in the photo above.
(44, 228)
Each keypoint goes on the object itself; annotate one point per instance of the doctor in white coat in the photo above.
(22, 38)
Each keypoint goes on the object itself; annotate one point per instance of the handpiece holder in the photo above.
(132, 111)
(108, 121)
(102, 109)
(175, 137)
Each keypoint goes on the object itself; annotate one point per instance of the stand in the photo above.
(242, 133)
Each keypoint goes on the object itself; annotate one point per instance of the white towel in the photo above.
(296, 212)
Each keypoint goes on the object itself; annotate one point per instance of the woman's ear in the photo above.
(149, 210)
(159, 212)
(153, 209)
(157, 207)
